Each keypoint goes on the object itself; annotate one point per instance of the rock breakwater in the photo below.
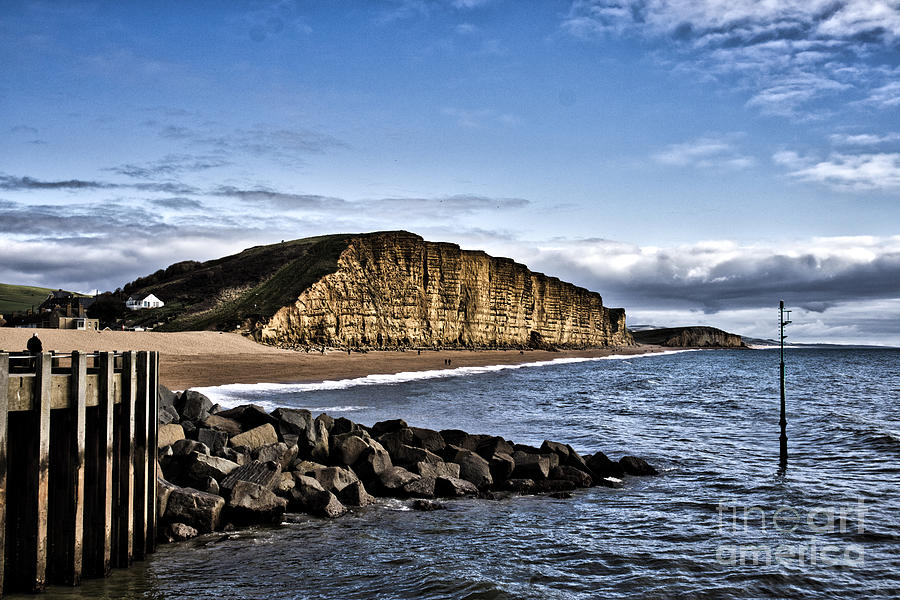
(224, 468)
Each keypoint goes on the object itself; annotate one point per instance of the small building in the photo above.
(149, 301)
(67, 302)
(83, 323)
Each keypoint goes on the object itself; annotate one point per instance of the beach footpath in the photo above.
(228, 468)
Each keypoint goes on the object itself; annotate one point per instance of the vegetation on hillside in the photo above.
(19, 298)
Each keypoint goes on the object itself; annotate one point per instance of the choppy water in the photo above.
(708, 419)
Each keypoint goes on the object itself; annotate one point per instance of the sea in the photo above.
(721, 520)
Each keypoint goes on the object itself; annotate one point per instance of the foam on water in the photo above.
(233, 394)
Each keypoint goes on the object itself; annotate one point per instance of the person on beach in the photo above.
(34, 348)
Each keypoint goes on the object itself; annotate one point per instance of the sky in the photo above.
(694, 161)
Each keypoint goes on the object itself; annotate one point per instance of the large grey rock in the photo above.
(530, 466)
(633, 465)
(321, 447)
(520, 486)
(230, 426)
(450, 487)
(423, 487)
(393, 480)
(266, 474)
(167, 414)
(492, 445)
(195, 508)
(179, 532)
(163, 490)
(334, 479)
(442, 469)
(248, 415)
(203, 466)
(188, 447)
(348, 447)
(602, 467)
(502, 466)
(343, 425)
(392, 440)
(408, 456)
(309, 496)
(167, 435)
(383, 427)
(372, 462)
(561, 450)
(576, 476)
(473, 468)
(165, 396)
(193, 406)
(256, 438)
(429, 439)
(279, 453)
(461, 439)
(214, 439)
(553, 485)
(253, 503)
(305, 467)
(355, 494)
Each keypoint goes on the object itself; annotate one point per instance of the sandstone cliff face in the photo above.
(689, 337)
(395, 289)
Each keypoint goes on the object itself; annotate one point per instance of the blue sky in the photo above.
(694, 161)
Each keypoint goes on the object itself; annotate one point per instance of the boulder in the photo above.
(530, 466)
(233, 455)
(166, 415)
(334, 479)
(442, 469)
(372, 462)
(343, 425)
(193, 406)
(473, 468)
(256, 438)
(279, 453)
(285, 484)
(382, 427)
(429, 439)
(577, 461)
(248, 415)
(601, 466)
(492, 445)
(163, 490)
(392, 440)
(188, 447)
(195, 508)
(202, 466)
(190, 429)
(214, 439)
(179, 532)
(210, 486)
(520, 486)
(502, 466)
(305, 467)
(633, 465)
(346, 448)
(230, 426)
(266, 474)
(576, 476)
(309, 496)
(561, 450)
(167, 435)
(423, 487)
(553, 485)
(427, 505)
(526, 449)
(451, 487)
(253, 503)
(327, 420)
(408, 456)
(320, 446)
(355, 494)
(165, 397)
(392, 480)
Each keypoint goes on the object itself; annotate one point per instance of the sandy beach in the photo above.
(204, 358)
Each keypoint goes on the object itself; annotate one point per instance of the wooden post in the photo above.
(99, 474)
(152, 441)
(66, 529)
(141, 454)
(124, 506)
(4, 406)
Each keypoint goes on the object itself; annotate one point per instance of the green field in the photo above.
(16, 298)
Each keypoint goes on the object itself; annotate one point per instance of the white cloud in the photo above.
(863, 139)
(705, 152)
(852, 172)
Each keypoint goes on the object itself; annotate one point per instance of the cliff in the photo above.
(689, 337)
(379, 290)
(395, 289)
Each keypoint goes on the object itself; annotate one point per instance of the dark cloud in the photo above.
(282, 200)
(9, 182)
(169, 166)
(178, 203)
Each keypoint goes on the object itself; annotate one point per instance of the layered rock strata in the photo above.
(394, 289)
(689, 337)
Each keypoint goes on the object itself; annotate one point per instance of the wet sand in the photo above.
(204, 358)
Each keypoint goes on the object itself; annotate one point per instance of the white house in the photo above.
(150, 301)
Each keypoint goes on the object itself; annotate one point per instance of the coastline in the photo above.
(209, 358)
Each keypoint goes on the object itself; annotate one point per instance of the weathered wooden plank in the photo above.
(4, 405)
(152, 439)
(20, 391)
(66, 512)
(141, 454)
(124, 506)
(99, 474)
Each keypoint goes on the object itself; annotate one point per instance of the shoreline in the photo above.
(209, 358)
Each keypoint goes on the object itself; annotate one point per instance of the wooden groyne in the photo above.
(78, 437)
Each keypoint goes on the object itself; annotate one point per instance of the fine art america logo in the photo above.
(813, 530)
